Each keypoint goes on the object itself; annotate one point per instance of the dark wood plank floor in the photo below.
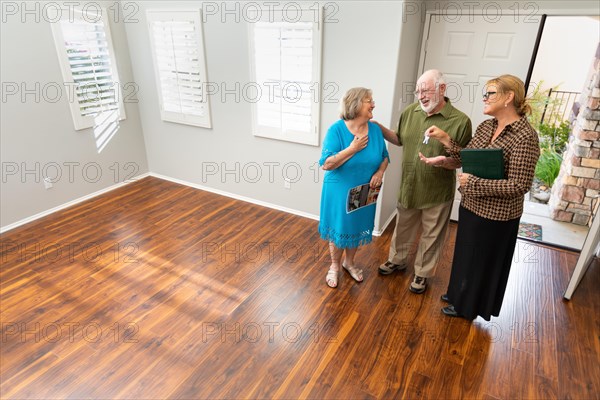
(157, 290)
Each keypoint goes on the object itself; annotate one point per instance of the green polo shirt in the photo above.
(424, 186)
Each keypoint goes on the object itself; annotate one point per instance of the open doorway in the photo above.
(561, 72)
(470, 50)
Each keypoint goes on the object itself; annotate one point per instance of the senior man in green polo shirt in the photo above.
(426, 192)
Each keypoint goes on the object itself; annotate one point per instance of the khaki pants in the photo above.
(433, 223)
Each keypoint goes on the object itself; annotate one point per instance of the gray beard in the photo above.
(430, 107)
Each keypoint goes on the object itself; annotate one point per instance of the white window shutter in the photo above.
(286, 64)
(180, 68)
(87, 61)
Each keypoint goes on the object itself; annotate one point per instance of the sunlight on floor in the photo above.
(562, 234)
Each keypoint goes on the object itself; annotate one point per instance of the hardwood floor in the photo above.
(157, 290)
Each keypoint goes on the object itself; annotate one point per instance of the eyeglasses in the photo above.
(420, 92)
(372, 102)
(487, 95)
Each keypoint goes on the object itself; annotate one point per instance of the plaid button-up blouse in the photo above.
(501, 199)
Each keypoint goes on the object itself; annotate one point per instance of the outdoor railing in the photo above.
(558, 106)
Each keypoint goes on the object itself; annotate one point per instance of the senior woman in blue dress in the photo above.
(354, 153)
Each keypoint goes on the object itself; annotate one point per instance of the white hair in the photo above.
(436, 75)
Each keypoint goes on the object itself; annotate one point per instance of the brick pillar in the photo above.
(574, 194)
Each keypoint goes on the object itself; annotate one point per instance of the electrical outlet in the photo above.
(287, 183)
(48, 183)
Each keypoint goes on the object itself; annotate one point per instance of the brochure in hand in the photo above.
(483, 163)
(361, 196)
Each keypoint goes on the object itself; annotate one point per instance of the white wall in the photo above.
(37, 134)
(566, 39)
(360, 48)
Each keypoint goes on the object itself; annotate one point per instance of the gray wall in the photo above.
(38, 134)
(372, 43)
(359, 49)
(404, 84)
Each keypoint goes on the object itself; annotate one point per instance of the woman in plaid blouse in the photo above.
(490, 208)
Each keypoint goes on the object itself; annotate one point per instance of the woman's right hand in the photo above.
(359, 143)
(439, 135)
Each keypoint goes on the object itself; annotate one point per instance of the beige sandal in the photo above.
(354, 272)
(332, 278)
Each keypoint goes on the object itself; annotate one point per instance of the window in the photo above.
(180, 67)
(87, 61)
(285, 58)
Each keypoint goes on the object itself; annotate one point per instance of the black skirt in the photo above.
(482, 258)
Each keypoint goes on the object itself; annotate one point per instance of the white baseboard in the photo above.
(182, 182)
(70, 203)
(379, 232)
(237, 197)
(258, 202)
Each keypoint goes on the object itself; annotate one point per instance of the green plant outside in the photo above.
(548, 166)
(553, 138)
(539, 101)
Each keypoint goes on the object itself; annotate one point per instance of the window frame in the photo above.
(80, 121)
(312, 136)
(187, 15)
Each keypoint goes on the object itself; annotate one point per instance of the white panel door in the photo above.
(471, 49)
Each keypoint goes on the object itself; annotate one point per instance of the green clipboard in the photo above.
(483, 163)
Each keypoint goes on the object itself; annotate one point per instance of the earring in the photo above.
(505, 104)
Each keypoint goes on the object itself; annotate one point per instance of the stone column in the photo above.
(574, 194)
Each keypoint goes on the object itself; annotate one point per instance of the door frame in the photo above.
(424, 44)
(591, 246)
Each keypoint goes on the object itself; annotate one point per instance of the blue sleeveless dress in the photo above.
(348, 230)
